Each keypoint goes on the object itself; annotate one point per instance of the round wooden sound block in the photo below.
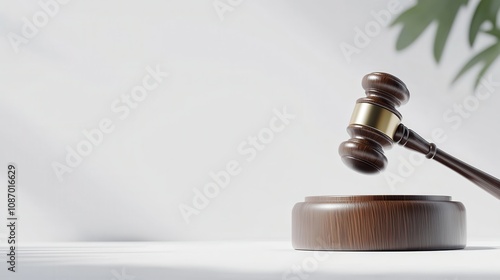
(378, 222)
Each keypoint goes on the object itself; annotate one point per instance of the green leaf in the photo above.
(417, 18)
(494, 32)
(414, 20)
(486, 10)
(485, 57)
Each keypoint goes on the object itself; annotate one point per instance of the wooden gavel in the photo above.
(376, 124)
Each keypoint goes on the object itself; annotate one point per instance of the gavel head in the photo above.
(374, 122)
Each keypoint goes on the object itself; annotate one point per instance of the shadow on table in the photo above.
(480, 248)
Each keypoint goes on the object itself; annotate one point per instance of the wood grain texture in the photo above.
(370, 223)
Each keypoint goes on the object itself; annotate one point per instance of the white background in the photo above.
(225, 79)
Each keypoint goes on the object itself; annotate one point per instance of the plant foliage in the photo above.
(416, 19)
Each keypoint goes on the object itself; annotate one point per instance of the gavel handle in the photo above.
(411, 140)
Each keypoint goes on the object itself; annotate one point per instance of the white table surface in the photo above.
(244, 260)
